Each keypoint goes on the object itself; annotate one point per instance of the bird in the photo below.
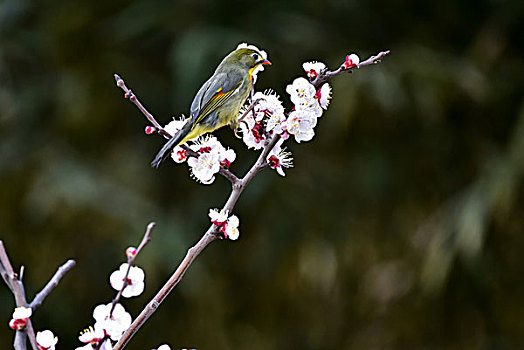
(218, 101)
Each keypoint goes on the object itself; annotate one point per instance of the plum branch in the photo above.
(237, 187)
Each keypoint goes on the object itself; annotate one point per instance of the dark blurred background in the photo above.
(400, 227)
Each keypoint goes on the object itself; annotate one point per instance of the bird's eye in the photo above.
(255, 56)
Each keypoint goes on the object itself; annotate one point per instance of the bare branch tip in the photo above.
(119, 81)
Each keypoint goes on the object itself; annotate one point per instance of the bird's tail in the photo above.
(166, 150)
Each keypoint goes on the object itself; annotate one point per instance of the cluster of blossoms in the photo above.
(112, 320)
(210, 154)
(228, 225)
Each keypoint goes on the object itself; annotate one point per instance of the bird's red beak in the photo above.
(265, 63)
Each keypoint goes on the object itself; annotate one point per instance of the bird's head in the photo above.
(246, 58)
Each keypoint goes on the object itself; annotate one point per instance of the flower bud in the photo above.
(130, 252)
(17, 323)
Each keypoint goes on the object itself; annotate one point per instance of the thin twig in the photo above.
(130, 261)
(17, 289)
(132, 97)
(160, 130)
(152, 306)
(327, 74)
(248, 109)
(53, 282)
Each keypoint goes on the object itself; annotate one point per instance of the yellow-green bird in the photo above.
(219, 100)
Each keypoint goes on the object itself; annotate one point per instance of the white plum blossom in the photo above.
(313, 68)
(135, 280)
(268, 103)
(278, 159)
(226, 157)
(115, 325)
(311, 106)
(231, 228)
(262, 53)
(22, 313)
(175, 125)
(212, 156)
(266, 117)
(179, 155)
(92, 335)
(303, 119)
(218, 217)
(164, 347)
(300, 124)
(204, 167)
(300, 91)
(46, 340)
(304, 96)
(272, 107)
(228, 225)
(324, 95)
(253, 136)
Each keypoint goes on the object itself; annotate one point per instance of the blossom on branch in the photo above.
(175, 125)
(92, 335)
(130, 252)
(20, 316)
(150, 130)
(46, 340)
(301, 91)
(228, 225)
(324, 95)
(211, 156)
(300, 124)
(265, 119)
(133, 285)
(351, 61)
(179, 155)
(278, 159)
(113, 325)
(313, 68)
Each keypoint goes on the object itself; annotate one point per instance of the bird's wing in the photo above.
(214, 93)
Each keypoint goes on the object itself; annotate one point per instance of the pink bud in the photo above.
(150, 130)
(17, 323)
(351, 61)
(225, 164)
(130, 252)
